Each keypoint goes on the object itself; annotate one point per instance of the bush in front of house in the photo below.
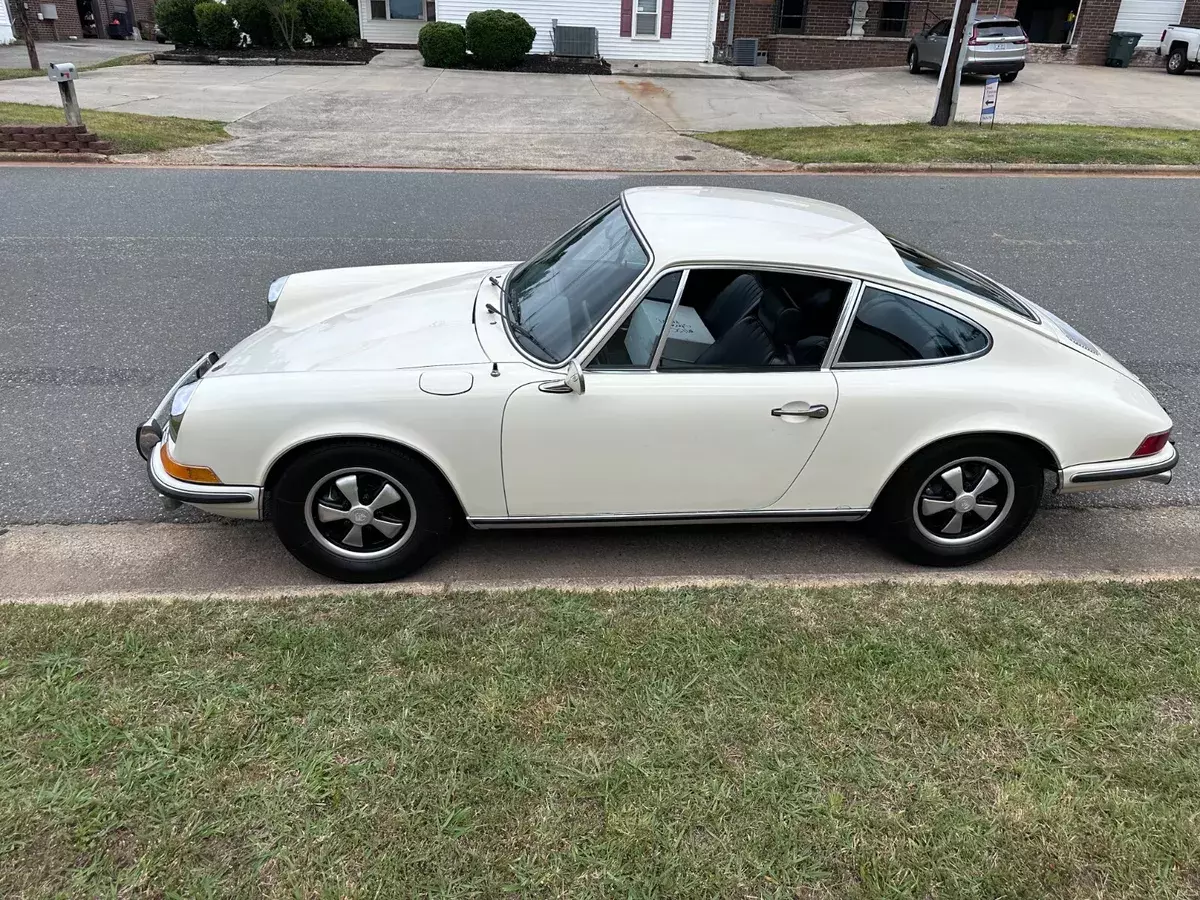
(443, 44)
(214, 21)
(499, 39)
(254, 20)
(329, 22)
(177, 20)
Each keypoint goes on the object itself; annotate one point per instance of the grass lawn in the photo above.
(136, 59)
(967, 144)
(880, 741)
(129, 132)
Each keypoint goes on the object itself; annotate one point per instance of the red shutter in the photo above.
(626, 18)
(668, 18)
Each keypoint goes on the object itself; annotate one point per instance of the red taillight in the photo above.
(1164, 36)
(1152, 444)
(974, 35)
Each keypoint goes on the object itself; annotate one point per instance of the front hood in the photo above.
(377, 317)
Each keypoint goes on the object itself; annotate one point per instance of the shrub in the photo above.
(329, 22)
(214, 21)
(177, 19)
(499, 39)
(254, 19)
(443, 44)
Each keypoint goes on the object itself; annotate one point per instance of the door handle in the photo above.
(817, 411)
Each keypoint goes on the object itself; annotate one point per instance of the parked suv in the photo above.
(995, 46)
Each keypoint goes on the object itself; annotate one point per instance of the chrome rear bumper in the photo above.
(1091, 476)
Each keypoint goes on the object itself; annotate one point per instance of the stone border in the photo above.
(59, 139)
(171, 58)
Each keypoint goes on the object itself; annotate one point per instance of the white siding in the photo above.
(691, 34)
(6, 32)
(1148, 17)
(384, 31)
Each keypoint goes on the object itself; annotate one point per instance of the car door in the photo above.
(933, 47)
(645, 439)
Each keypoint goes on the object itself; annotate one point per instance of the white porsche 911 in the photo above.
(684, 355)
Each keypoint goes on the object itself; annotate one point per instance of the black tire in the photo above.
(1177, 63)
(1008, 77)
(914, 63)
(920, 538)
(424, 509)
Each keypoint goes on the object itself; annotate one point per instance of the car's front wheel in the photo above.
(960, 501)
(361, 511)
(914, 61)
(1177, 63)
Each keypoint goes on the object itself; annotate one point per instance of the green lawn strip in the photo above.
(136, 59)
(968, 144)
(129, 132)
(878, 741)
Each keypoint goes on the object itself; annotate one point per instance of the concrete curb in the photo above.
(999, 168)
(51, 156)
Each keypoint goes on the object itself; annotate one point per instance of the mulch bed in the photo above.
(554, 65)
(304, 54)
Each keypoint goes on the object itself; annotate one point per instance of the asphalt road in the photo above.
(113, 280)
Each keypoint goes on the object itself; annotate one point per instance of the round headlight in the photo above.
(179, 405)
(275, 290)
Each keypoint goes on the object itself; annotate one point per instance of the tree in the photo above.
(26, 32)
(285, 14)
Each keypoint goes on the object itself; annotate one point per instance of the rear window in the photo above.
(1000, 30)
(955, 276)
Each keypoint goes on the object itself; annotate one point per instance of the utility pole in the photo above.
(26, 32)
(951, 74)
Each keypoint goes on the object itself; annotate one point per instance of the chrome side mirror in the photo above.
(572, 384)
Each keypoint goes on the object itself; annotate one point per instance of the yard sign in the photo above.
(991, 90)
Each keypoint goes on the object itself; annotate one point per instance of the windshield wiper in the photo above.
(521, 330)
(511, 301)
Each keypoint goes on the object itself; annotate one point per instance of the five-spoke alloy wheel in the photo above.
(361, 511)
(961, 500)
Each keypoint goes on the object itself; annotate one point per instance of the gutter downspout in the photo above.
(729, 31)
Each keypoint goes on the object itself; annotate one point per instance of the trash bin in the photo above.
(1120, 48)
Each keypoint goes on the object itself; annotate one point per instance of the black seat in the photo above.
(735, 302)
(763, 337)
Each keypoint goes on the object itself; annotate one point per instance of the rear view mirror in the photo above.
(574, 379)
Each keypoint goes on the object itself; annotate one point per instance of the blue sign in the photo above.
(991, 91)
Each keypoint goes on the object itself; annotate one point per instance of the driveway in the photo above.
(82, 53)
(396, 112)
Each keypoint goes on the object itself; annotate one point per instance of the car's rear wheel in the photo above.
(1177, 63)
(914, 61)
(960, 501)
(361, 512)
(1008, 77)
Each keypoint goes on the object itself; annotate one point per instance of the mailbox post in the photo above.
(64, 75)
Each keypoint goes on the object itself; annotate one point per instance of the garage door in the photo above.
(1149, 17)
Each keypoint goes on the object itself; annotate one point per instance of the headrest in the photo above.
(780, 317)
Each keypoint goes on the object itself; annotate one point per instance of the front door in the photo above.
(933, 47)
(659, 442)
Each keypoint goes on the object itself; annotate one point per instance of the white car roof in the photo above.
(712, 224)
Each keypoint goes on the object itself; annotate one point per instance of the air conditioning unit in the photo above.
(745, 51)
(575, 40)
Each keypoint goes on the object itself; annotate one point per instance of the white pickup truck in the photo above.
(1181, 47)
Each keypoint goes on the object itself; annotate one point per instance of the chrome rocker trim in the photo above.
(728, 518)
(200, 494)
(1089, 476)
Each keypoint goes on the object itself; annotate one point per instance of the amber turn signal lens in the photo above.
(1152, 444)
(195, 474)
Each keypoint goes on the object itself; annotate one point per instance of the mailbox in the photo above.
(61, 71)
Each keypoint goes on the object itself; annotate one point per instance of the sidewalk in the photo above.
(82, 53)
(395, 112)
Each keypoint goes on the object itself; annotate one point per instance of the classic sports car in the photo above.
(686, 354)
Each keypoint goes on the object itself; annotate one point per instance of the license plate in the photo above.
(1004, 46)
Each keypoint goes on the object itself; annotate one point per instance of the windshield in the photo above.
(957, 276)
(560, 294)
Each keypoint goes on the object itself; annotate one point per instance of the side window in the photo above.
(738, 319)
(891, 328)
(632, 345)
(941, 29)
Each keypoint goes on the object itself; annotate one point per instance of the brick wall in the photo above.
(66, 26)
(1096, 21)
(1191, 14)
(752, 18)
(795, 52)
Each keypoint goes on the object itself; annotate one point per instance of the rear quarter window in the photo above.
(890, 329)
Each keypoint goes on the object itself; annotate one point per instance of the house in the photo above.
(850, 34)
(626, 29)
(62, 20)
(6, 30)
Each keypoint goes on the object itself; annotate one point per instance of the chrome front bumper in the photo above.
(241, 501)
(1090, 476)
